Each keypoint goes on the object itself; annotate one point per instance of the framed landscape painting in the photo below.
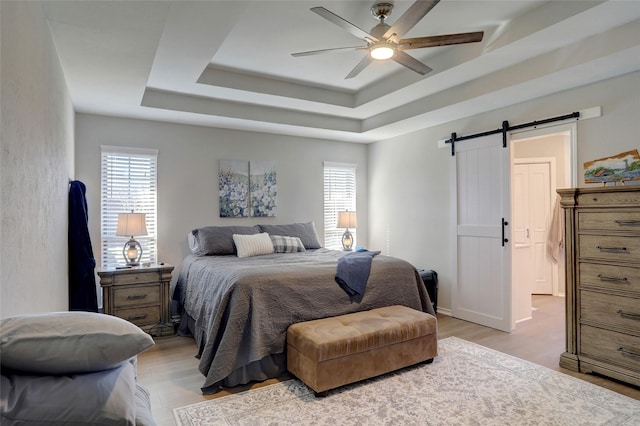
(233, 188)
(617, 168)
(263, 187)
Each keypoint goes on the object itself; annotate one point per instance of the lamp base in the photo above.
(132, 252)
(347, 240)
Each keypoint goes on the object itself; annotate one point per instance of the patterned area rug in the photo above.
(467, 384)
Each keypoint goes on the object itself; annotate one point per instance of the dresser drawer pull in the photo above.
(616, 249)
(628, 222)
(614, 279)
(136, 317)
(628, 353)
(628, 315)
(136, 296)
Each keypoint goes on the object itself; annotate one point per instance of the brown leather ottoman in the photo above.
(331, 352)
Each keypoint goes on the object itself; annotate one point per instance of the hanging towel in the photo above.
(82, 281)
(555, 240)
(353, 272)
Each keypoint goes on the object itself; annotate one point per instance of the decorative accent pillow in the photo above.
(100, 398)
(69, 342)
(305, 231)
(253, 245)
(218, 240)
(282, 244)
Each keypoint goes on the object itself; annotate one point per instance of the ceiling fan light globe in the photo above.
(381, 52)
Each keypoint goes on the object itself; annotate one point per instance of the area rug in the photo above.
(467, 384)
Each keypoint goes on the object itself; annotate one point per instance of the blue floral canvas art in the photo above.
(263, 187)
(233, 187)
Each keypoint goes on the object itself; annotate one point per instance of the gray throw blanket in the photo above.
(353, 272)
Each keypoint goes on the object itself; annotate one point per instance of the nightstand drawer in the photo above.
(609, 310)
(611, 347)
(610, 277)
(136, 296)
(135, 278)
(610, 221)
(610, 247)
(140, 316)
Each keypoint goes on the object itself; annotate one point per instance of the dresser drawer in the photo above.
(611, 310)
(611, 347)
(610, 247)
(135, 278)
(618, 198)
(610, 221)
(610, 277)
(140, 316)
(135, 296)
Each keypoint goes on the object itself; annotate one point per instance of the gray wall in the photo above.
(36, 165)
(188, 174)
(409, 177)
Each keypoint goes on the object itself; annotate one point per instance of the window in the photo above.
(129, 183)
(339, 195)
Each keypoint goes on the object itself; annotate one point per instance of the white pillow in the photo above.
(69, 342)
(253, 245)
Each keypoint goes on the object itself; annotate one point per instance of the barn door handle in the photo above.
(504, 240)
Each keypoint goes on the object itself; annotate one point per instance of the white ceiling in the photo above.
(228, 63)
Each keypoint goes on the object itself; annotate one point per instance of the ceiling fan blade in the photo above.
(411, 17)
(335, 49)
(361, 65)
(441, 40)
(410, 62)
(343, 23)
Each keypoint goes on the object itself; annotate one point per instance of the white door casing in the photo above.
(481, 290)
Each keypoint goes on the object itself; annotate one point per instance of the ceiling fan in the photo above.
(385, 41)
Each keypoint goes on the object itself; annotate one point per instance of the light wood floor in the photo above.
(170, 371)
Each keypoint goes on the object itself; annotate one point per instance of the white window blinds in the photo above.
(128, 183)
(339, 195)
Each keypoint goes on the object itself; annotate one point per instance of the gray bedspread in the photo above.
(238, 309)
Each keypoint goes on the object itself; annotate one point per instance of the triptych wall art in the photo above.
(247, 188)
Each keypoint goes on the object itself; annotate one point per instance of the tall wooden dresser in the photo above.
(602, 247)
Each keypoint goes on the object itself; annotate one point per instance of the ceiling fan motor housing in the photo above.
(381, 10)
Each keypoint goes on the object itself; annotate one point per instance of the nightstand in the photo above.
(139, 295)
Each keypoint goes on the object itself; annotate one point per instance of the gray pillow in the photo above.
(305, 231)
(68, 342)
(101, 398)
(218, 240)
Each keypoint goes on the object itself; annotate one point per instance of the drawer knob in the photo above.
(628, 315)
(623, 280)
(136, 296)
(609, 248)
(627, 352)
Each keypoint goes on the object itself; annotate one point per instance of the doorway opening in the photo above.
(542, 161)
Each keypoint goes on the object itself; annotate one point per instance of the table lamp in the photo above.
(347, 220)
(130, 224)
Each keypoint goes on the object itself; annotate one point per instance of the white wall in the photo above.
(36, 165)
(188, 174)
(409, 189)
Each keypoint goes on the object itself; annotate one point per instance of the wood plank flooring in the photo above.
(170, 371)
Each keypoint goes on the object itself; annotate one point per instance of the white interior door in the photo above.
(533, 266)
(481, 290)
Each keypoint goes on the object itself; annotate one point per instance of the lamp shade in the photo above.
(131, 224)
(347, 219)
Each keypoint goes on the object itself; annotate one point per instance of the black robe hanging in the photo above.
(82, 280)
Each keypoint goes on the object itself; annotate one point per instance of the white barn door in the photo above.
(481, 290)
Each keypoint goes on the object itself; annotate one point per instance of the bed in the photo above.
(72, 368)
(238, 308)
